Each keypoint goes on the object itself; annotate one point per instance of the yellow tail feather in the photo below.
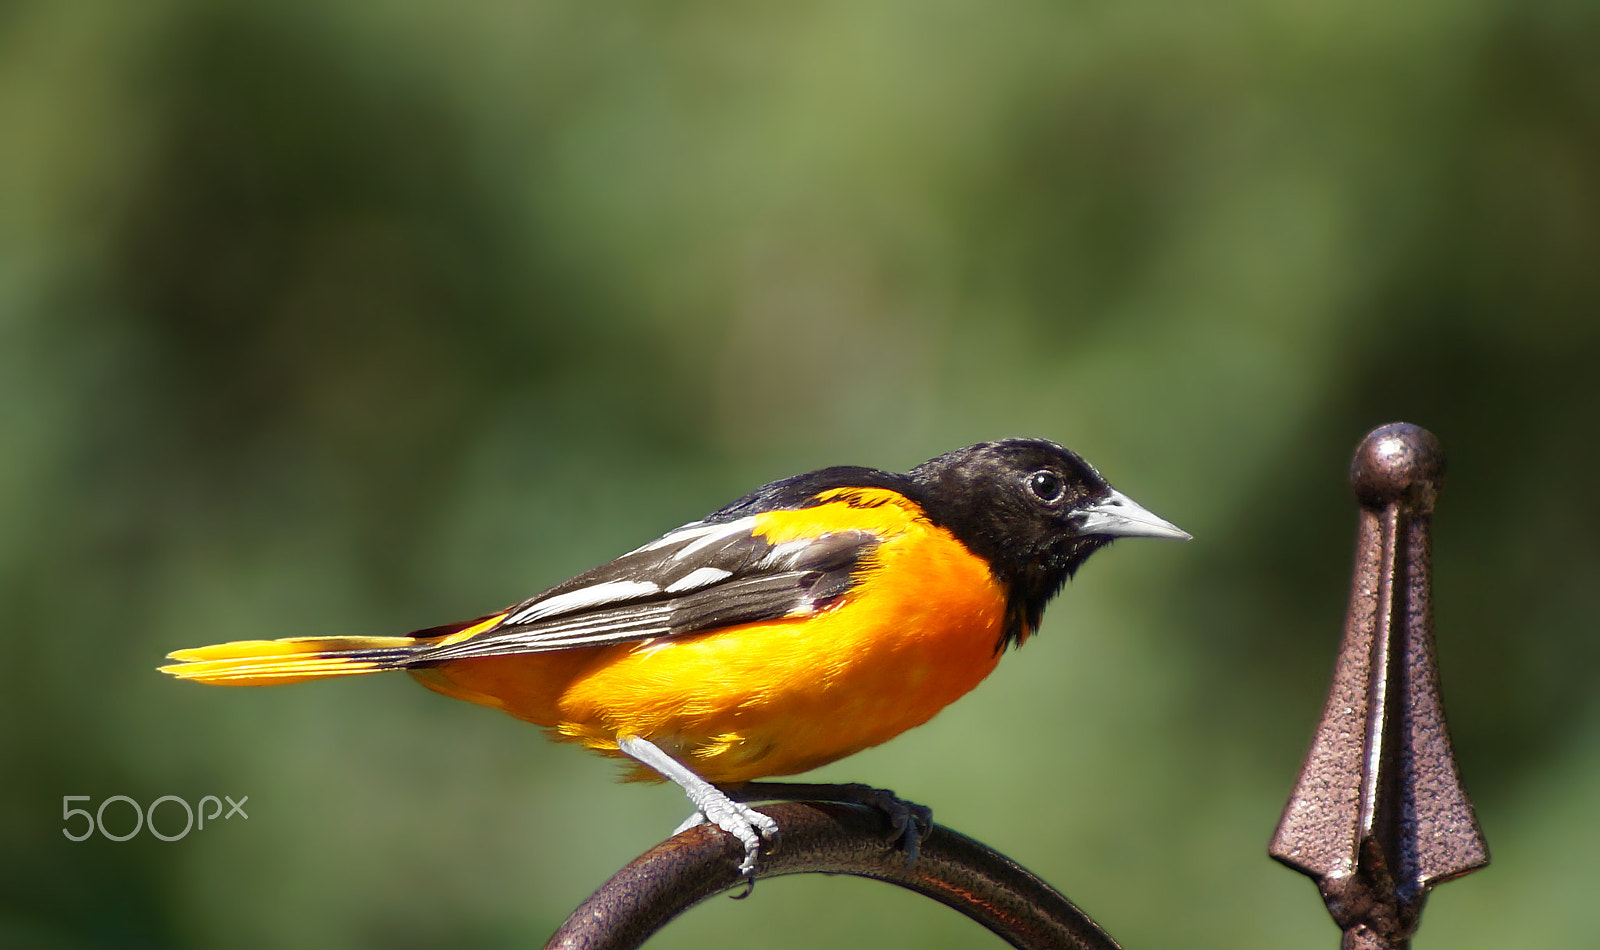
(274, 662)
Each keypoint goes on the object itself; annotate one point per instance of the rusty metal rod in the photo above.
(830, 839)
(1379, 816)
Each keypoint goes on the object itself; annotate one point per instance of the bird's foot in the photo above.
(710, 804)
(909, 823)
(737, 819)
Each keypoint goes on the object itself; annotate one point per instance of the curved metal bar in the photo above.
(830, 839)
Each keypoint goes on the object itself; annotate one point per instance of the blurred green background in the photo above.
(357, 318)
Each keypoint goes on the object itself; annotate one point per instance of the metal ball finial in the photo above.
(1398, 464)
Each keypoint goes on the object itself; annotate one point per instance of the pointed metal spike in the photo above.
(1379, 816)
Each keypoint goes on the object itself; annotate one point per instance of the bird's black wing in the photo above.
(704, 575)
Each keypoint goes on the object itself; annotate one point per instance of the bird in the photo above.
(814, 617)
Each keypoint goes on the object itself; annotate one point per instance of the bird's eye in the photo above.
(1046, 486)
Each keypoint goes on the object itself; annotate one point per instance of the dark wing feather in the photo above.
(700, 577)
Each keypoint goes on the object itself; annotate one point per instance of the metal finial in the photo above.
(1398, 464)
(1379, 816)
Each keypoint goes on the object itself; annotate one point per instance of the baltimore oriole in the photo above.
(812, 618)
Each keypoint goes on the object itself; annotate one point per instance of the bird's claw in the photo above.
(909, 823)
(744, 823)
(693, 821)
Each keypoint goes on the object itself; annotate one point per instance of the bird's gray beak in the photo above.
(1121, 517)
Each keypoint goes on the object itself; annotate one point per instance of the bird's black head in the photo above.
(1035, 511)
